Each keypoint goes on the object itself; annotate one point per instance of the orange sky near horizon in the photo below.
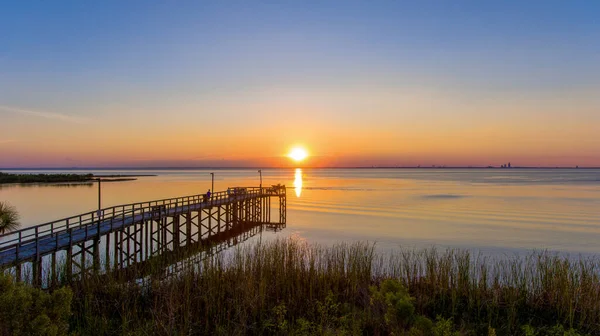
(376, 129)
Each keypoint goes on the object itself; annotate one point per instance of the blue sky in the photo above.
(199, 61)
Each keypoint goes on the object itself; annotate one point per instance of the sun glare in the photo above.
(298, 154)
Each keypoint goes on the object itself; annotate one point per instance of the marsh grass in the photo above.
(290, 287)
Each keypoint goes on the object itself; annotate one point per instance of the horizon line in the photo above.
(295, 167)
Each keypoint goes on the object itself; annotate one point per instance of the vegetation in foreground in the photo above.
(289, 287)
(25, 310)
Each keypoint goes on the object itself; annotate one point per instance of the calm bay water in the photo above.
(489, 210)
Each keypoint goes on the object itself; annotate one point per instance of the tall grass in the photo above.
(542, 288)
(288, 286)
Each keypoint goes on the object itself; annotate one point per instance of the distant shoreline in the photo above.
(262, 167)
(8, 178)
(125, 176)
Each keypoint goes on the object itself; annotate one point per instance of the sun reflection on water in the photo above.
(298, 182)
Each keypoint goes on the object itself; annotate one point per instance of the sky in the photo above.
(205, 84)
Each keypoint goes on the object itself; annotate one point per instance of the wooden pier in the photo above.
(122, 236)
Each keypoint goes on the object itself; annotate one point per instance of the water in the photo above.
(488, 210)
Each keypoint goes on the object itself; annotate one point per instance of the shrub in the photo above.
(559, 330)
(528, 330)
(422, 327)
(397, 303)
(26, 310)
(444, 327)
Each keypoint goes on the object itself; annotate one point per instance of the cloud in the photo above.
(44, 114)
(5, 141)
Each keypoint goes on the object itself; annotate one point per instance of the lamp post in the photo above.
(260, 173)
(212, 188)
(99, 196)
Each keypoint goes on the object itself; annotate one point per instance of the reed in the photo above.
(291, 287)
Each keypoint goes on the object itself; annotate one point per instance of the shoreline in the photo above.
(10, 178)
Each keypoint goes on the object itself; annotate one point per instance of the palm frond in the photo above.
(9, 218)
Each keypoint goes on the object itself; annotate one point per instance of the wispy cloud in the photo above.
(44, 114)
(5, 141)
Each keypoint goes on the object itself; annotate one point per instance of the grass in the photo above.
(290, 287)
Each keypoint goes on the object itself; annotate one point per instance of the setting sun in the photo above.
(298, 154)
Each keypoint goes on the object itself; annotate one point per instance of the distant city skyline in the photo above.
(123, 84)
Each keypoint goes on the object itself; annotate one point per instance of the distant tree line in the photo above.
(44, 178)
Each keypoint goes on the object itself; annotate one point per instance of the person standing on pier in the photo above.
(207, 195)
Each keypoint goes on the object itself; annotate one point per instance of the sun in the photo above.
(298, 154)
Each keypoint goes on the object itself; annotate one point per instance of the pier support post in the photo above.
(128, 243)
(117, 251)
(69, 263)
(175, 232)
(188, 228)
(219, 219)
(235, 214)
(53, 271)
(36, 266)
(147, 241)
(96, 256)
(210, 228)
(18, 272)
(282, 209)
(70, 257)
(107, 251)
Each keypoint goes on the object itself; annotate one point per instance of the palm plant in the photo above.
(9, 218)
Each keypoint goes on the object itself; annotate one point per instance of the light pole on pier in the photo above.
(99, 196)
(212, 188)
(260, 173)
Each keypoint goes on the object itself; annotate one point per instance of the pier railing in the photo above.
(92, 220)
